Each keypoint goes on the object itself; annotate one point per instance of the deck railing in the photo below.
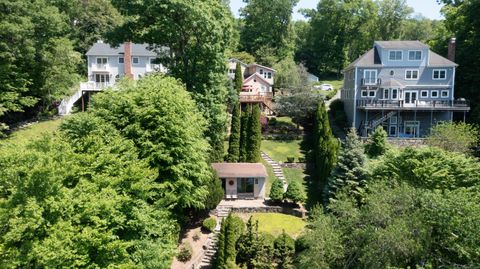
(416, 104)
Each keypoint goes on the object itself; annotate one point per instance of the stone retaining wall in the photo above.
(297, 212)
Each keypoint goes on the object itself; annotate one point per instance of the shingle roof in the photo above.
(415, 44)
(104, 49)
(236, 170)
(366, 60)
(391, 83)
(437, 60)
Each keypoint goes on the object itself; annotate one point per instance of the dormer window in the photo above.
(415, 55)
(395, 55)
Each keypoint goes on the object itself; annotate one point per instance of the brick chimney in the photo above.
(127, 60)
(451, 49)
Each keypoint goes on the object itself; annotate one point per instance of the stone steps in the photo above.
(277, 169)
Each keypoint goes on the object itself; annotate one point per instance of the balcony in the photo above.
(457, 105)
(93, 86)
(100, 67)
(254, 97)
(371, 84)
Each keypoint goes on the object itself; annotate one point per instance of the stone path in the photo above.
(277, 169)
(222, 212)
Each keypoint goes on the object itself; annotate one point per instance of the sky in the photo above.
(428, 8)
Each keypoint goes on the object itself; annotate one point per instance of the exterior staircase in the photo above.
(66, 105)
(379, 121)
(277, 169)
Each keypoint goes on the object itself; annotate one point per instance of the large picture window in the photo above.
(245, 185)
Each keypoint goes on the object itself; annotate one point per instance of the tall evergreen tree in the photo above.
(284, 251)
(377, 143)
(254, 136)
(350, 173)
(238, 77)
(277, 191)
(243, 134)
(235, 133)
(227, 240)
(325, 146)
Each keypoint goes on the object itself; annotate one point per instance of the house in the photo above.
(257, 86)
(107, 64)
(242, 180)
(403, 86)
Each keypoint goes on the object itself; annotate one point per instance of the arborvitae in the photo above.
(284, 251)
(276, 191)
(243, 135)
(350, 173)
(220, 259)
(377, 143)
(227, 239)
(295, 193)
(325, 146)
(234, 141)
(238, 77)
(254, 136)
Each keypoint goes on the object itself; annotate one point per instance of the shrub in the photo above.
(460, 137)
(210, 224)
(276, 191)
(185, 253)
(215, 192)
(377, 143)
(284, 250)
(272, 121)
(295, 193)
(301, 159)
(290, 159)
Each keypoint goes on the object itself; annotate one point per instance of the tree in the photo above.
(254, 136)
(244, 134)
(391, 14)
(215, 192)
(243, 56)
(235, 135)
(349, 174)
(254, 249)
(284, 251)
(196, 51)
(227, 240)
(295, 192)
(276, 191)
(267, 25)
(325, 147)
(377, 144)
(238, 78)
(458, 137)
(300, 107)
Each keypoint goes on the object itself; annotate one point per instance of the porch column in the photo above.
(398, 123)
(366, 123)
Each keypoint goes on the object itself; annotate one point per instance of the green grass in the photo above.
(275, 223)
(270, 179)
(280, 150)
(25, 135)
(295, 174)
(337, 83)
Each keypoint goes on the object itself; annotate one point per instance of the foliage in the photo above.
(197, 51)
(349, 174)
(254, 136)
(209, 224)
(254, 249)
(276, 192)
(235, 134)
(238, 80)
(227, 240)
(391, 14)
(295, 192)
(325, 147)
(290, 77)
(337, 114)
(185, 252)
(377, 143)
(284, 251)
(458, 137)
(244, 120)
(243, 56)
(160, 117)
(215, 192)
(267, 26)
(300, 107)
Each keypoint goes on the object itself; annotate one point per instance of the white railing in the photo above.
(99, 67)
(95, 86)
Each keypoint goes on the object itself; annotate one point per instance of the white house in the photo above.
(242, 180)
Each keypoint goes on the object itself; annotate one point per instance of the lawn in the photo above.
(295, 174)
(275, 223)
(270, 179)
(25, 135)
(279, 150)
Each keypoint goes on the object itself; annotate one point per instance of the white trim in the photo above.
(390, 128)
(448, 94)
(439, 72)
(396, 119)
(123, 60)
(431, 94)
(355, 100)
(429, 86)
(101, 57)
(453, 83)
(376, 76)
(423, 91)
(408, 56)
(366, 93)
(412, 70)
(395, 60)
(387, 90)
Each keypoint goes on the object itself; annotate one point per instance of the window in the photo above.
(231, 71)
(394, 120)
(415, 55)
(392, 72)
(261, 71)
(386, 93)
(392, 131)
(395, 55)
(372, 93)
(394, 94)
(434, 94)
(135, 60)
(269, 75)
(155, 61)
(424, 94)
(364, 94)
(370, 77)
(102, 61)
(120, 60)
(411, 74)
(445, 94)
(439, 74)
(245, 185)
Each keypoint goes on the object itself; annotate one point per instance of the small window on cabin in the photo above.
(395, 55)
(372, 93)
(386, 93)
(394, 94)
(364, 94)
(261, 71)
(255, 80)
(439, 74)
(135, 60)
(120, 60)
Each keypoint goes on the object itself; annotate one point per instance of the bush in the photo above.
(377, 143)
(237, 225)
(185, 253)
(295, 193)
(290, 159)
(301, 160)
(272, 121)
(210, 224)
(460, 137)
(215, 192)
(276, 191)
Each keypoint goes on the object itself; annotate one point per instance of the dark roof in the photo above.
(236, 170)
(415, 44)
(102, 49)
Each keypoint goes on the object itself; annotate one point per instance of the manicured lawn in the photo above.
(25, 135)
(279, 150)
(270, 179)
(275, 223)
(295, 174)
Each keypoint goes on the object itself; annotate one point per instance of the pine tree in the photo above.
(325, 146)
(377, 143)
(243, 134)
(238, 78)
(350, 173)
(226, 253)
(234, 140)
(295, 192)
(284, 251)
(276, 191)
(254, 136)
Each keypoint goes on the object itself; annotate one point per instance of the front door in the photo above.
(245, 187)
(410, 98)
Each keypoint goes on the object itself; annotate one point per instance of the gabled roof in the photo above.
(258, 76)
(237, 170)
(404, 44)
(366, 60)
(437, 60)
(237, 60)
(104, 49)
(262, 66)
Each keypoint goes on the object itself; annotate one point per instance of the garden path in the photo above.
(277, 169)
